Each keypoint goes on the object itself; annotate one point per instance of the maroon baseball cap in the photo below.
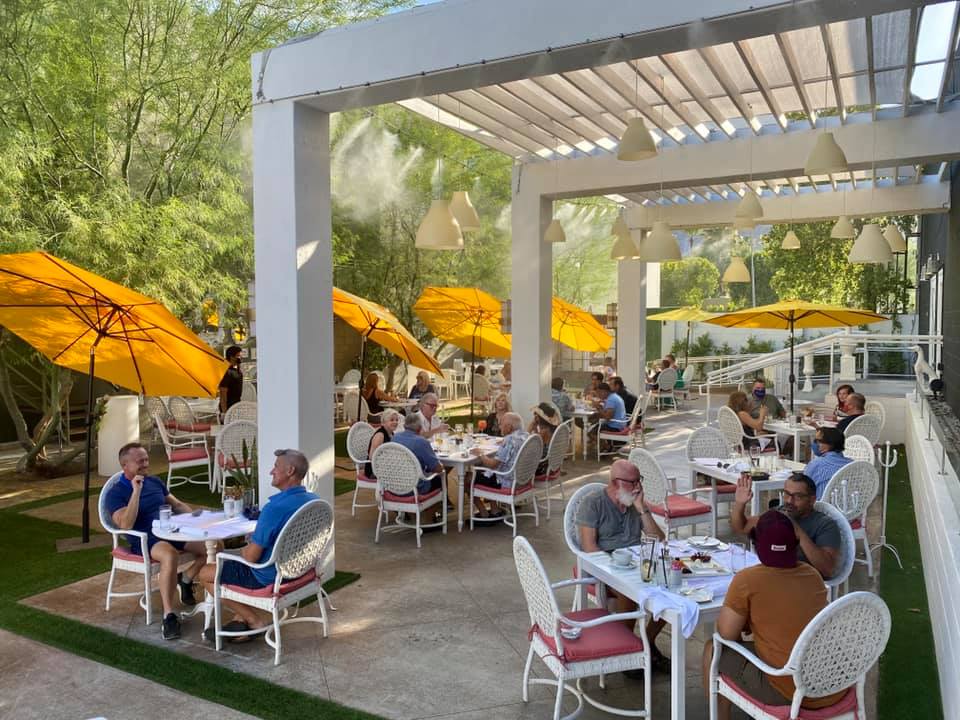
(775, 540)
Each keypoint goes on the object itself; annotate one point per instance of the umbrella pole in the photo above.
(85, 520)
(473, 368)
(686, 354)
(363, 359)
(793, 377)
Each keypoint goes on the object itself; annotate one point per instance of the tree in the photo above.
(687, 282)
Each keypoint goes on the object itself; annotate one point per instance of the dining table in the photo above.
(583, 413)
(680, 611)
(797, 430)
(462, 460)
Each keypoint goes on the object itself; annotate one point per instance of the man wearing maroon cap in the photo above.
(775, 600)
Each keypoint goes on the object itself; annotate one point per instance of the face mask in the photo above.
(759, 393)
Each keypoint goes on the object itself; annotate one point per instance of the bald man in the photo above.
(615, 518)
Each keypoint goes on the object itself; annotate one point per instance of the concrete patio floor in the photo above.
(439, 632)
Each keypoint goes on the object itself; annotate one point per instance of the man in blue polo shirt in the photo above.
(289, 469)
(613, 414)
(134, 503)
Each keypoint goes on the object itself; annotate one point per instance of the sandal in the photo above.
(209, 634)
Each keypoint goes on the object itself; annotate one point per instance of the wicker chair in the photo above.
(350, 409)
(183, 450)
(832, 654)
(523, 470)
(630, 436)
(837, 583)
(857, 447)
(351, 377)
(867, 425)
(556, 451)
(851, 489)
(873, 407)
(358, 445)
(243, 410)
(734, 432)
(670, 509)
(709, 442)
(666, 381)
(481, 392)
(249, 392)
(571, 534)
(398, 472)
(298, 557)
(126, 561)
(184, 417)
(228, 451)
(604, 643)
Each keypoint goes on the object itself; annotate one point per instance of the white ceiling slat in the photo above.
(793, 67)
(680, 72)
(716, 66)
(750, 62)
(911, 58)
(533, 92)
(556, 86)
(479, 111)
(834, 74)
(657, 83)
(631, 96)
(871, 74)
(951, 54)
(532, 114)
(489, 135)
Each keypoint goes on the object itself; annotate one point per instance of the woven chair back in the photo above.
(304, 540)
(397, 469)
(667, 379)
(730, 426)
(867, 425)
(105, 518)
(655, 485)
(243, 410)
(558, 446)
(874, 407)
(351, 377)
(541, 602)
(358, 442)
(571, 532)
(181, 411)
(157, 408)
(852, 488)
(707, 442)
(857, 447)
(232, 438)
(525, 464)
(848, 545)
(350, 406)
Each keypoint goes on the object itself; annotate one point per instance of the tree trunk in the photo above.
(6, 392)
(55, 402)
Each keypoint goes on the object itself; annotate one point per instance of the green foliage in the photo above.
(687, 282)
(756, 346)
(702, 346)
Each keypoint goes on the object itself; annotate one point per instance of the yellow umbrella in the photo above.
(578, 329)
(792, 314)
(87, 323)
(378, 324)
(689, 315)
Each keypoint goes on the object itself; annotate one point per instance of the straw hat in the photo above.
(547, 413)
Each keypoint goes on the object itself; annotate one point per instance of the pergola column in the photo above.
(532, 360)
(294, 278)
(632, 323)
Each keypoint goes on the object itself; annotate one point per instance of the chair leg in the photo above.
(472, 507)
(558, 703)
(276, 637)
(376, 536)
(536, 511)
(148, 594)
(417, 511)
(353, 507)
(525, 694)
(867, 553)
(513, 516)
(217, 618)
(113, 570)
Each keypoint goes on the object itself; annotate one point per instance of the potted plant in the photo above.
(245, 476)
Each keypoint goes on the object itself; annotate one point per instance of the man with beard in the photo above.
(817, 534)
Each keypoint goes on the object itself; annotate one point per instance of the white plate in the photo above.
(632, 566)
(703, 541)
(700, 594)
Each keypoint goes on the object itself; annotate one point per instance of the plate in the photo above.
(703, 541)
(632, 566)
(700, 568)
(699, 595)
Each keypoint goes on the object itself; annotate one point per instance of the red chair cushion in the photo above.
(362, 477)
(170, 424)
(390, 497)
(603, 641)
(845, 705)
(521, 489)
(726, 488)
(681, 506)
(182, 454)
(196, 427)
(228, 463)
(624, 432)
(288, 587)
(549, 476)
(856, 524)
(124, 553)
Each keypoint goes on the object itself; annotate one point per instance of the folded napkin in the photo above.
(660, 600)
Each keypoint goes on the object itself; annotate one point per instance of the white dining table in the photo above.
(584, 414)
(795, 430)
(667, 605)
(462, 461)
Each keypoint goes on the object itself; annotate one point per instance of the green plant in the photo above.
(245, 473)
(702, 346)
(755, 346)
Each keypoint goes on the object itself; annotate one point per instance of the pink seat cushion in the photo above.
(624, 432)
(361, 477)
(726, 488)
(681, 506)
(549, 476)
(607, 640)
(856, 524)
(124, 553)
(285, 588)
(229, 463)
(183, 454)
(390, 497)
(846, 704)
(521, 489)
(195, 427)
(170, 424)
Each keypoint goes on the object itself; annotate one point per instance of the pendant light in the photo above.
(744, 223)
(736, 271)
(871, 246)
(843, 229)
(463, 211)
(623, 248)
(790, 241)
(439, 229)
(555, 233)
(895, 238)
(749, 207)
(660, 245)
(826, 157)
(637, 142)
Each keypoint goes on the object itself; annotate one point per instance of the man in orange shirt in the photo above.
(775, 600)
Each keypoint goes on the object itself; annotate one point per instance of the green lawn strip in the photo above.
(38, 567)
(908, 667)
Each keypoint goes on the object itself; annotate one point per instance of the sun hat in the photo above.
(546, 412)
(775, 540)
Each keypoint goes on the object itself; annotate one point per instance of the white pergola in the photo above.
(735, 90)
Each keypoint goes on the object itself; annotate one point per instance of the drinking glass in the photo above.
(229, 508)
(165, 514)
(755, 455)
(469, 428)
(738, 557)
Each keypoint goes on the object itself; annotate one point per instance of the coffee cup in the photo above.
(622, 557)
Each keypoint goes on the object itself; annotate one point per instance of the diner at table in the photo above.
(544, 423)
(843, 392)
(561, 398)
(389, 422)
(430, 422)
(828, 449)
(422, 386)
(760, 398)
(375, 397)
(493, 422)
(854, 406)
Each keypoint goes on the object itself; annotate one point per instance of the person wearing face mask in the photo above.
(760, 398)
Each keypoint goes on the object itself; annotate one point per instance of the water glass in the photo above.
(469, 428)
(738, 557)
(166, 513)
(755, 455)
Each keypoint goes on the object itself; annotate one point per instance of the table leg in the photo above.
(713, 501)
(678, 670)
(461, 474)
(205, 607)
(796, 446)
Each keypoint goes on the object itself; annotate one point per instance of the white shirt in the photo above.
(428, 426)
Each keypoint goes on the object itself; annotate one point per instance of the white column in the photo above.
(294, 278)
(532, 361)
(848, 361)
(808, 372)
(632, 323)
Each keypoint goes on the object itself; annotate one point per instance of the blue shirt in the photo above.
(153, 494)
(822, 468)
(419, 446)
(615, 402)
(274, 515)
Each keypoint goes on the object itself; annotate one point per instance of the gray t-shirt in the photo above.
(615, 529)
(821, 528)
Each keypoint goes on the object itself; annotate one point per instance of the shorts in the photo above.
(749, 677)
(134, 542)
(482, 478)
(234, 573)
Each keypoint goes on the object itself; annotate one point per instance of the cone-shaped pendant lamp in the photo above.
(843, 229)
(895, 238)
(790, 241)
(555, 233)
(660, 245)
(464, 212)
(826, 157)
(439, 230)
(736, 271)
(871, 246)
(620, 227)
(744, 223)
(749, 207)
(637, 143)
(624, 248)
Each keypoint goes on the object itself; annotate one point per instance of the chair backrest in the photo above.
(571, 532)
(481, 386)
(867, 425)
(181, 411)
(525, 463)
(730, 426)
(458, 365)
(857, 447)
(304, 540)
(852, 488)
(232, 438)
(358, 442)
(397, 469)
(707, 442)
(688, 374)
(559, 444)
(351, 377)
(541, 602)
(635, 414)
(655, 483)
(839, 646)
(157, 408)
(105, 518)
(249, 393)
(873, 407)
(555, 408)
(164, 434)
(848, 545)
(350, 406)
(243, 410)
(667, 379)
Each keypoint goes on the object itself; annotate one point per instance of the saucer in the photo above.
(631, 566)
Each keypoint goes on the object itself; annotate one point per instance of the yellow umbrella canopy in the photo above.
(689, 314)
(578, 329)
(466, 317)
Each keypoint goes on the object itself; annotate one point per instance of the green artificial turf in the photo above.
(34, 566)
(908, 667)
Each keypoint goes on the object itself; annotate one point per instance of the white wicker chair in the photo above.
(157, 408)
(734, 432)
(126, 561)
(481, 392)
(873, 407)
(249, 392)
(183, 450)
(350, 408)
(605, 643)
(358, 445)
(837, 583)
(298, 557)
(523, 470)
(556, 451)
(184, 417)
(571, 534)
(630, 436)
(243, 410)
(832, 654)
(228, 451)
(857, 447)
(867, 425)
(398, 472)
(709, 442)
(671, 509)
(666, 381)
(851, 489)
(351, 377)
(687, 377)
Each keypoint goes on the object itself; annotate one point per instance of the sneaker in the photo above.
(186, 591)
(171, 627)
